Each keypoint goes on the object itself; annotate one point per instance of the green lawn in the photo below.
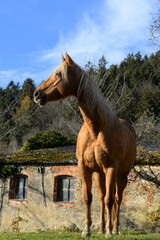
(75, 236)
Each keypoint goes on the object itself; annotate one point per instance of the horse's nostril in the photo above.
(36, 93)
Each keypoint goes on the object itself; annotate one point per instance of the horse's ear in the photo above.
(63, 59)
(69, 60)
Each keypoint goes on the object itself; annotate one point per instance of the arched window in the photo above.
(18, 187)
(65, 188)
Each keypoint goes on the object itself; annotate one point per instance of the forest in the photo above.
(132, 88)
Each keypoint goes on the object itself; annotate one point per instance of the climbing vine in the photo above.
(7, 171)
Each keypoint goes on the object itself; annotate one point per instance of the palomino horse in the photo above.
(106, 145)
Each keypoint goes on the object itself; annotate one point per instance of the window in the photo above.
(65, 189)
(19, 187)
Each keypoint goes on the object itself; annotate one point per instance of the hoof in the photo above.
(100, 232)
(115, 232)
(85, 234)
(108, 235)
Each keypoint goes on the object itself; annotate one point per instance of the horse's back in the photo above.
(127, 126)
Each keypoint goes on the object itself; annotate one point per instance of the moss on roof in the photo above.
(145, 157)
(66, 155)
(60, 155)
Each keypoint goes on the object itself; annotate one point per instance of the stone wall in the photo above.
(40, 213)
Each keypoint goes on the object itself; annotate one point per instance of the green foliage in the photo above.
(46, 139)
(154, 216)
(13, 124)
(7, 171)
(144, 157)
(23, 118)
(28, 89)
(8, 104)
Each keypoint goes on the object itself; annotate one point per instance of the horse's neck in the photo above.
(90, 119)
(94, 109)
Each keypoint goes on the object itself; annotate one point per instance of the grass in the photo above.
(76, 236)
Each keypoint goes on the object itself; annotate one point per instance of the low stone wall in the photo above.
(40, 213)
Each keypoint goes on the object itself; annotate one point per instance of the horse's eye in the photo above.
(58, 74)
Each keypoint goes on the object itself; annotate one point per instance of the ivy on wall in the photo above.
(7, 171)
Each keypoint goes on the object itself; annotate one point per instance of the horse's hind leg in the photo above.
(100, 184)
(121, 184)
(87, 186)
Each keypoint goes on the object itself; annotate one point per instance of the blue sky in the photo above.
(35, 33)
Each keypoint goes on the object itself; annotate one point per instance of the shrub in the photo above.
(148, 129)
(46, 139)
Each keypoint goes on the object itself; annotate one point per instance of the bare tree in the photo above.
(155, 27)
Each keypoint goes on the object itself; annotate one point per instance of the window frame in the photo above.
(19, 187)
(60, 189)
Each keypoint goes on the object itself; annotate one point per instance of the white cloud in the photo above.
(8, 74)
(20, 76)
(117, 28)
(114, 29)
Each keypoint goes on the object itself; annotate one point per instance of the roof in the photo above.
(54, 156)
(66, 156)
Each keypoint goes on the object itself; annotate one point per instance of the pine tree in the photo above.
(28, 88)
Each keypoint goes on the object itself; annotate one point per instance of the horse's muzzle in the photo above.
(39, 98)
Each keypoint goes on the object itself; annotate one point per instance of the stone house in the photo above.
(47, 194)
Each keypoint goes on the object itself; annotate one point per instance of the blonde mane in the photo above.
(93, 97)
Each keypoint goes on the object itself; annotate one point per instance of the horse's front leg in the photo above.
(100, 184)
(87, 186)
(109, 198)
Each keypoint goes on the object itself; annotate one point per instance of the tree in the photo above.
(8, 105)
(11, 93)
(101, 71)
(90, 68)
(28, 88)
(16, 110)
(155, 28)
(23, 118)
(25, 114)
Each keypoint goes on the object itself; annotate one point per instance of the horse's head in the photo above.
(59, 85)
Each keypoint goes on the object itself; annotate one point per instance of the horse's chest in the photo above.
(89, 157)
(95, 158)
(102, 156)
